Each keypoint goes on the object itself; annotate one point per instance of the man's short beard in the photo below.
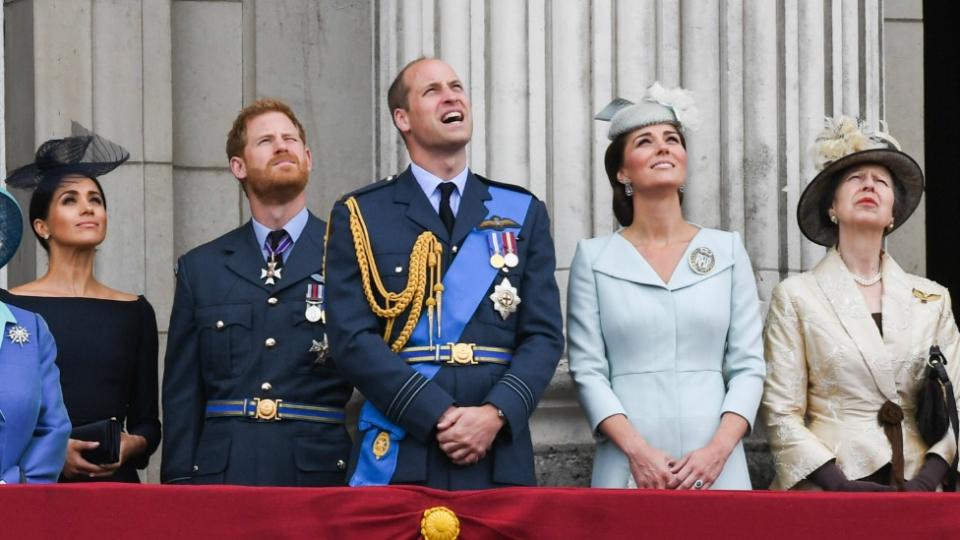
(276, 189)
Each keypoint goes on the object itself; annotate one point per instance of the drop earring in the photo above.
(628, 188)
(890, 226)
(833, 219)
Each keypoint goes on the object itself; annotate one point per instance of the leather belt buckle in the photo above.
(267, 409)
(461, 354)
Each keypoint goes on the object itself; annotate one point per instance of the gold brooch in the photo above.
(381, 445)
(439, 523)
(925, 297)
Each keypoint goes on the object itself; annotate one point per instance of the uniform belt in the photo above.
(274, 409)
(457, 354)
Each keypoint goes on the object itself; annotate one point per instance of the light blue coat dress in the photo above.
(34, 426)
(672, 357)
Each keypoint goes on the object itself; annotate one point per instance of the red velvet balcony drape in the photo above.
(88, 512)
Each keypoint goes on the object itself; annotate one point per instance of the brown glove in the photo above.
(930, 475)
(831, 478)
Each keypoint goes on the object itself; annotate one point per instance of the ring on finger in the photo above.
(698, 484)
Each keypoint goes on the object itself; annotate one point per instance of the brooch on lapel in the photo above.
(925, 297)
(701, 260)
(18, 335)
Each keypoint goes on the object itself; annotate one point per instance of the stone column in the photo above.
(765, 74)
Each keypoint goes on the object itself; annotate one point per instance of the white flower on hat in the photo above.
(680, 101)
(842, 136)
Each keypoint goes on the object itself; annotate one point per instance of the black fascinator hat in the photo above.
(85, 153)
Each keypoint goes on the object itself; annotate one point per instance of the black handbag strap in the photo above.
(937, 362)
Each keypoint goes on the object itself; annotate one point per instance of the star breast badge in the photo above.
(505, 298)
(18, 335)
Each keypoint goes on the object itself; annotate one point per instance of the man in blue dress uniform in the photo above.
(444, 309)
(249, 395)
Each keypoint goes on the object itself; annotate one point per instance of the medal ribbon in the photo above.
(461, 283)
(494, 241)
(282, 246)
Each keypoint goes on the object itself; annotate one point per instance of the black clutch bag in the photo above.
(107, 433)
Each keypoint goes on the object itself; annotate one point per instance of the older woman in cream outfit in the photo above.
(850, 338)
(663, 320)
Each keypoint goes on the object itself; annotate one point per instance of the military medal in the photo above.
(510, 257)
(701, 260)
(314, 310)
(19, 335)
(505, 298)
(321, 349)
(271, 273)
(496, 257)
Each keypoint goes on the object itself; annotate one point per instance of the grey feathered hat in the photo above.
(659, 106)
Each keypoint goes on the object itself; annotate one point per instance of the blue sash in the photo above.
(465, 284)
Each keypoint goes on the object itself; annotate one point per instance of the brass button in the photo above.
(341, 464)
(219, 325)
(270, 342)
(266, 387)
(272, 300)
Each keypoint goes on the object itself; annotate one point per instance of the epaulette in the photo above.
(504, 185)
(370, 187)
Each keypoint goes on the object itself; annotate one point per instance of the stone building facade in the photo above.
(166, 77)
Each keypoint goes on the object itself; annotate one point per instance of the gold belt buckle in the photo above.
(267, 409)
(461, 354)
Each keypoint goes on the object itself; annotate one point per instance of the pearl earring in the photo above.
(890, 226)
(833, 219)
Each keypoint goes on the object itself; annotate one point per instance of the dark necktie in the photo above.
(446, 211)
(278, 242)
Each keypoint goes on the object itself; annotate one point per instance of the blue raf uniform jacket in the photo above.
(396, 212)
(232, 337)
(34, 426)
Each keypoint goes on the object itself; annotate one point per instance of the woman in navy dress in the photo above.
(107, 339)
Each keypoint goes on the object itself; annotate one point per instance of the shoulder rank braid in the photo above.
(424, 275)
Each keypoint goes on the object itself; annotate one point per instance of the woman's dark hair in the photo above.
(899, 193)
(613, 162)
(42, 199)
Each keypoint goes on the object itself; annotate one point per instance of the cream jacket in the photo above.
(829, 370)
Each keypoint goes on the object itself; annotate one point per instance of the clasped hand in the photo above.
(76, 466)
(653, 468)
(465, 434)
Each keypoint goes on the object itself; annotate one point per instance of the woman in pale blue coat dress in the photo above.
(663, 319)
(34, 425)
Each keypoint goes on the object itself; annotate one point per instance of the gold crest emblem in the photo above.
(925, 297)
(439, 523)
(381, 445)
